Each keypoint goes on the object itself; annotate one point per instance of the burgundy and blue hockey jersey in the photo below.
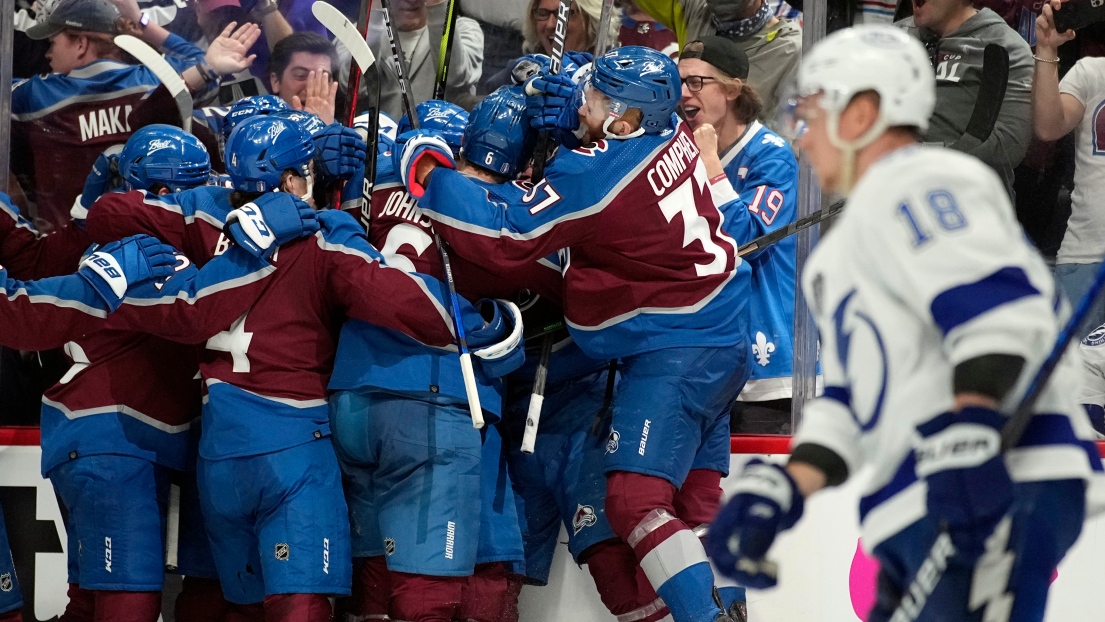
(760, 195)
(131, 390)
(373, 357)
(648, 265)
(266, 375)
(64, 122)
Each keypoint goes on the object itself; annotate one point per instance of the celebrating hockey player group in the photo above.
(269, 391)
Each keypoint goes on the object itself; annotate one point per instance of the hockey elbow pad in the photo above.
(499, 345)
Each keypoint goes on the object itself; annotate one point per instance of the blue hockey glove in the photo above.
(533, 64)
(969, 489)
(269, 221)
(498, 345)
(548, 103)
(102, 179)
(114, 268)
(578, 59)
(766, 501)
(340, 151)
(411, 147)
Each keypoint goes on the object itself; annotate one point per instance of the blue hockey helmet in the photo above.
(249, 106)
(163, 154)
(498, 137)
(448, 119)
(639, 77)
(261, 148)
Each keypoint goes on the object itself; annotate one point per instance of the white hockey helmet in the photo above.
(878, 58)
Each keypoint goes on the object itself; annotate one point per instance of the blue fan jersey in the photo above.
(761, 196)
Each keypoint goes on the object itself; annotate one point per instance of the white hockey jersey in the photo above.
(928, 268)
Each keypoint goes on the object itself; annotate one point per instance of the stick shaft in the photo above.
(563, 12)
(400, 65)
(445, 53)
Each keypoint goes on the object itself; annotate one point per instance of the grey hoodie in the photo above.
(958, 65)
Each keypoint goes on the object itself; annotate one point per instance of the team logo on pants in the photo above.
(6, 582)
(612, 441)
(389, 546)
(282, 552)
(585, 517)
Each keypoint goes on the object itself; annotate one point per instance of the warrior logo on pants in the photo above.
(585, 517)
(6, 582)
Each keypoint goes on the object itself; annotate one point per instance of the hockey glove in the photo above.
(969, 489)
(269, 221)
(340, 151)
(579, 59)
(552, 104)
(411, 147)
(498, 345)
(766, 501)
(114, 268)
(103, 179)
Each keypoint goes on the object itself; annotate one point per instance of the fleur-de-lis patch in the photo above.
(762, 349)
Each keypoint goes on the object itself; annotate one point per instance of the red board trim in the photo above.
(738, 444)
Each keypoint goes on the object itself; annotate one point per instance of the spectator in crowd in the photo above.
(772, 44)
(639, 28)
(301, 71)
(64, 120)
(754, 175)
(419, 25)
(956, 33)
(583, 26)
(1075, 103)
(501, 23)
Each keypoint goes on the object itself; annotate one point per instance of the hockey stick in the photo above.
(602, 42)
(931, 570)
(172, 529)
(541, 153)
(804, 223)
(164, 72)
(445, 54)
(354, 41)
(991, 96)
(466, 369)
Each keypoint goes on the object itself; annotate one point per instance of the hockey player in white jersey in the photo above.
(933, 311)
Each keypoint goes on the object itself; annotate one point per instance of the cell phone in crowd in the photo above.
(1079, 14)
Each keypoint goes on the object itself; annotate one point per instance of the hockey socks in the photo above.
(298, 608)
(423, 598)
(621, 584)
(371, 588)
(640, 510)
(200, 600)
(127, 606)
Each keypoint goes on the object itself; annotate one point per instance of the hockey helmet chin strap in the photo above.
(849, 148)
(615, 111)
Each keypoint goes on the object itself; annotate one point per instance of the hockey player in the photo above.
(651, 279)
(934, 310)
(754, 176)
(38, 315)
(1092, 395)
(405, 450)
(271, 491)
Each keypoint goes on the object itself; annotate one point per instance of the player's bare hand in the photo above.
(227, 54)
(320, 96)
(1048, 39)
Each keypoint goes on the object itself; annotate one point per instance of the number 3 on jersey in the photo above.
(695, 227)
(945, 211)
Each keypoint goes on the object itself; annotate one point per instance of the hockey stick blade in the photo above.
(799, 225)
(346, 32)
(991, 96)
(164, 72)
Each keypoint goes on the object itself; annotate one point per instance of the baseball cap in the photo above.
(720, 52)
(206, 6)
(90, 15)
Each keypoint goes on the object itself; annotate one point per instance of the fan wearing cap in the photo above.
(62, 121)
(754, 178)
(932, 307)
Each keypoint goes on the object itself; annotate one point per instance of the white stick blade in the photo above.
(346, 32)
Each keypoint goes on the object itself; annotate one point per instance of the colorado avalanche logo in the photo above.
(1096, 338)
(612, 441)
(585, 517)
(6, 579)
(593, 149)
